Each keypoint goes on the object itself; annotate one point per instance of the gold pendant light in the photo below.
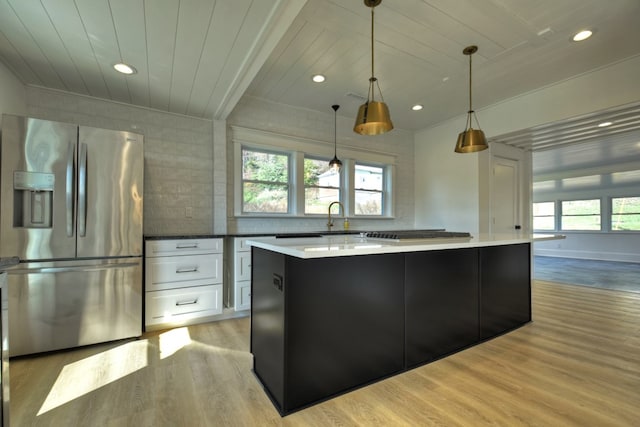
(471, 140)
(335, 164)
(373, 116)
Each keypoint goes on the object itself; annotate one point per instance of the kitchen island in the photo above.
(333, 313)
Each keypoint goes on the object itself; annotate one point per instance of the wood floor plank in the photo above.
(576, 364)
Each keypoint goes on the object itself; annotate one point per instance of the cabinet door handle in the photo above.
(186, 246)
(187, 269)
(189, 302)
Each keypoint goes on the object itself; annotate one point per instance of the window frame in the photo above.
(562, 215)
(298, 148)
(288, 183)
(340, 186)
(554, 216)
(611, 214)
(383, 192)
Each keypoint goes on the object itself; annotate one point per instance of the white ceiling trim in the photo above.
(276, 24)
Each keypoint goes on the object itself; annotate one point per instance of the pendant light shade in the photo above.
(373, 116)
(335, 164)
(471, 140)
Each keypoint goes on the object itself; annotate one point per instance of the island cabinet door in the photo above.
(441, 293)
(268, 322)
(505, 288)
(345, 321)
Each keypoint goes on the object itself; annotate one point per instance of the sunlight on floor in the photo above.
(91, 373)
(172, 341)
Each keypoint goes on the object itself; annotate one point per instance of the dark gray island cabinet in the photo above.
(324, 325)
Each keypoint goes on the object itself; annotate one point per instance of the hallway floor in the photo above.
(621, 276)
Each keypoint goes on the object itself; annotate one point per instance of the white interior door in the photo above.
(505, 212)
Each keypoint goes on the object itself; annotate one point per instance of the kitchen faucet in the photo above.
(330, 222)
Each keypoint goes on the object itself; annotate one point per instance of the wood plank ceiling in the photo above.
(198, 57)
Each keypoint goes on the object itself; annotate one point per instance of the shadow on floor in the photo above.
(621, 276)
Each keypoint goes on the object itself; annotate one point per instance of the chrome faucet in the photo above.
(330, 221)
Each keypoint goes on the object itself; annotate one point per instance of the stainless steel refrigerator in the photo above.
(72, 211)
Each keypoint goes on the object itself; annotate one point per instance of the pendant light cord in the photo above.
(335, 132)
(372, 75)
(470, 103)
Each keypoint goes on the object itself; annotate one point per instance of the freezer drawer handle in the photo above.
(189, 302)
(186, 245)
(193, 269)
(96, 267)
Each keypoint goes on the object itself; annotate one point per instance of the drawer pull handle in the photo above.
(189, 302)
(186, 245)
(187, 270)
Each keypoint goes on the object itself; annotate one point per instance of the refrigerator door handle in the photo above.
(82, 191)
(94, 267)
(69, 188)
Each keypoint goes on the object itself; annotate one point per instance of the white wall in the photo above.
(447, 193)
(285, 120)
(13, 98)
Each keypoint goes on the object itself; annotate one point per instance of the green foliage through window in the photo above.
(265, 182)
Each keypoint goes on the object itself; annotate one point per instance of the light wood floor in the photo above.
(576, 364)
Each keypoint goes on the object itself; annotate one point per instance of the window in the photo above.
(368, 186)
(265, 181)
(288, 176)
(625, 213)
(544, 216)
(581, 215)
(321, 186)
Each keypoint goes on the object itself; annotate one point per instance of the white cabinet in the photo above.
(183, 280)
(241, 274)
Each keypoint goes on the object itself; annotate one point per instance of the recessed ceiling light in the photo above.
(417, 107)
(318, 78)
(605, 124)
(123, 68)
(582, 35)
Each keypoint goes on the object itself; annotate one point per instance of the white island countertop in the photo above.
(353, 244)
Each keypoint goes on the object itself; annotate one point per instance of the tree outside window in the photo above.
(265, 182)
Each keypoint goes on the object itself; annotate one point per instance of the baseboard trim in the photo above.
(594, 255)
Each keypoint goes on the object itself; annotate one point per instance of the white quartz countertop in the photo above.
(350, 244)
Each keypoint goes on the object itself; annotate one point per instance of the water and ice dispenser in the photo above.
(33, 199)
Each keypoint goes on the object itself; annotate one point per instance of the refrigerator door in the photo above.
(58, 305)
(110, 185)
(37, 188)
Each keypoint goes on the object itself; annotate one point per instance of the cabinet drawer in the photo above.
(182, 304)
(180, 271)
(244, 296)
(156, 248)
(243, 266)
(241, 244)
